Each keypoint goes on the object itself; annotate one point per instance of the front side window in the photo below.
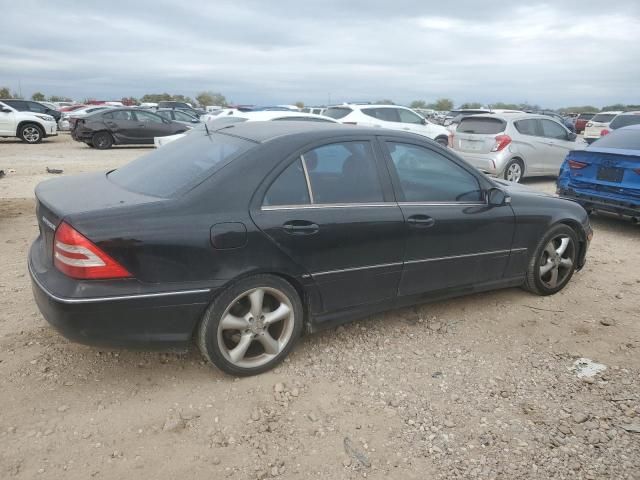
(183, 117)
(19, 105)
(427, 176)
(36, 107)
(551, 129)
(165, 114)
(122, 115)
(409, 117)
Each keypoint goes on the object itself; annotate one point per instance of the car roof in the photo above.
(633, 112)
(611, 112)
(271, 114)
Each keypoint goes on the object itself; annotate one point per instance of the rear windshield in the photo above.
(624, 120)
(481, 125)
(337, 112)
(586, 116)
(177, 167)
(622, 139)
(604, 117)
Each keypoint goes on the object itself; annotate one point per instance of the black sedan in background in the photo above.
(123, 126)
(245, 236)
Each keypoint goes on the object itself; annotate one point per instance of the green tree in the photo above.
(581, 109)
(299, 104)
(56, 98)
(211, 98)
(5, 92)
(505, 106)
(471, 105)
(614, 107)
(38, 97)
(385, 102)
(155, 97)
(442, 104)
(418, 104)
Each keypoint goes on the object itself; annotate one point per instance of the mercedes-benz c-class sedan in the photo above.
(245, 237)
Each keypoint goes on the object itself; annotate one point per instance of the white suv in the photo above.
(29, 126)
(388, 116)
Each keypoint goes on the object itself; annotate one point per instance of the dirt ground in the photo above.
(476, 387)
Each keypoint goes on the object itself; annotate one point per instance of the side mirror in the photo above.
(572, 137)
(497, 197)
(195, 120)
(5, 110)
(423, 121)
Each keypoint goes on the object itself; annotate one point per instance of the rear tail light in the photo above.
(450, 140)
(575, 165)
(78, 257)
(501, 142)
(604, 132)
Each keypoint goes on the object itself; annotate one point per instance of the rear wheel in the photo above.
(102, 140)
(252, 326)
(31, 133)
(554, 261)
(514, 171)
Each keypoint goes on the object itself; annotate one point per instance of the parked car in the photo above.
(515, 145)
(123, 126)
(50, 105)
(598, 125)
(30, 127)
(248, 236)
(238, 117)
(393, 117)
(582, 120)
(566, 121)
(71, 108)
(623, 120)
(314, 110)
(465, 112)
(181, 106)
(68, 120)
(31, 106)
(180, 116)
(606, 176)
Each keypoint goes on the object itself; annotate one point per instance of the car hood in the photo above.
(519, 190)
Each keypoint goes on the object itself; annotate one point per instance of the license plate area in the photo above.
(610, 174)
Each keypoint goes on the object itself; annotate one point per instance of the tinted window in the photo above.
(386, 114)
(179, 166)
(551, 129)
(147, 117)
(184, 117)
(586, 116)
(624, 120)
(604, 117)
(427, 176)
(19, 105)
(622, 139)
(165, 114)
(481, 125)
(290, 188)
(120, 115)
(337, 112)
(408, 117)
(36, 107)
(527, 127)
(343, 173)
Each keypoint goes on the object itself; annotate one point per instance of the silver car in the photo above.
(514, 145)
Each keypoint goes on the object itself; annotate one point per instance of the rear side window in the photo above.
(527, 127)
(624, 121)
(604, 117)
(481, 125)
(337, 112)
(19, 105)
(179, 166)
(290, 188)
(622, 139)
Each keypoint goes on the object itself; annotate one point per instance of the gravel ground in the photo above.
(476, 387)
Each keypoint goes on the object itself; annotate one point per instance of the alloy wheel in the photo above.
(514, 172)
(31, 134)
(557, 260)
(256, 327)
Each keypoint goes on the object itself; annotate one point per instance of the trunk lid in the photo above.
(477, 134)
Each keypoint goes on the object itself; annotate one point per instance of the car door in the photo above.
(530, 145)
(331, 210)
(454, 238)
(122, 125)
(151, 125)
(385, 117)
(558, 145)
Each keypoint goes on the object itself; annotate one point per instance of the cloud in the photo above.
(553, 54)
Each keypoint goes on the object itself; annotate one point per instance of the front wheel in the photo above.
(554, 261)
(252, 326)
(31, 133)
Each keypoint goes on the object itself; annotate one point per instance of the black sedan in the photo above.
(123, 126)
(246, 236)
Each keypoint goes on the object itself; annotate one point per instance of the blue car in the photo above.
(606, 175)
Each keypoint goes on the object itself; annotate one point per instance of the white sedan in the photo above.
(237, 116)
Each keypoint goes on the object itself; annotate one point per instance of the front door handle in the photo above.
(421, 221)
(300, 227)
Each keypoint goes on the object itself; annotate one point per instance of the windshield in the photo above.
(603, 117)
(180, 165)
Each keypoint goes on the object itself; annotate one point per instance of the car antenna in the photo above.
(207, 129)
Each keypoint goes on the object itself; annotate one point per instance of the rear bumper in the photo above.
(591, 201)
(160, 320)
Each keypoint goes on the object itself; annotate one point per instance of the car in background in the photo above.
(181, 106)
(68, 120)
(514, 145)
(582, 120)
(180, 116)
(606, 175)
(314, 110)
(31, 106)
(30, 127)
(246, 237)
(598, 126)
(623, 120)
(123, 126)
(566, 121)
(393, 117)
(236, 116)
(50, 105)
(71, 108)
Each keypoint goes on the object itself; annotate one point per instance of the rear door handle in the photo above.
(421, 221)
(300, 227)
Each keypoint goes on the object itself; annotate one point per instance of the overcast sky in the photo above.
(557, 53)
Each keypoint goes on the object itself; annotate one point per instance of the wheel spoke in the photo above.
(240, 350)
(553, 281)
(550, 249)
(231, 322)
(278, 314)
(269, 343)
(546, 267)
(256, 298)
(566, 262)
(564, 243)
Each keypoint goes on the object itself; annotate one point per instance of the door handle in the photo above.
(421, 221)
(141, 125)
(300, 227)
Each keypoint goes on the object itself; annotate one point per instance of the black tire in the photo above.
(535, 280)
(210, 333)
(102, 140)
(444, 141)
(31, 133)
(507, 169)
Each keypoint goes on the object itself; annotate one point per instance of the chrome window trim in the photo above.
(327, 205)
(441, 204)
(306, 178)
